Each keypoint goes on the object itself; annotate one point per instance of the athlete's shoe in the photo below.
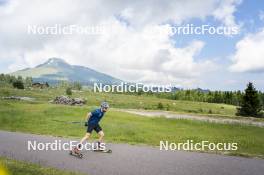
(99, 147)
(76, 150)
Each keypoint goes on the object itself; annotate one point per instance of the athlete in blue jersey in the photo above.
(93, 119)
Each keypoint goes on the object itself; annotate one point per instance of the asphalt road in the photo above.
(128, 159)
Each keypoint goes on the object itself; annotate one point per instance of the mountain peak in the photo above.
(55, 70)
(54, 62)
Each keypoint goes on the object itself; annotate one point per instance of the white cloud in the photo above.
(225, 12)
(249, 56)
(127, 53)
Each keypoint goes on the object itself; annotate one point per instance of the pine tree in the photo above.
(250, 104)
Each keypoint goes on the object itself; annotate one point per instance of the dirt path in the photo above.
(193, 117)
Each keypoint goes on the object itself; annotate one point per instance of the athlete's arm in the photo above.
(89, 114)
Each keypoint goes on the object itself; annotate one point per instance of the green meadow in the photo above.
(14, 167)
(128, 101)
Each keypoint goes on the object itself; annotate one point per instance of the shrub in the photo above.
(18, 84)
(69, 91)
(160, 105)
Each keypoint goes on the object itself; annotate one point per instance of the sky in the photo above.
(129, 47)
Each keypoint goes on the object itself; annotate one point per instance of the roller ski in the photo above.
(102, 149)
(76, 152)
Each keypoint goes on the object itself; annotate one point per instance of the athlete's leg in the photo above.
(79, 146)
(100, 132)
(86, 137)
(101, 136)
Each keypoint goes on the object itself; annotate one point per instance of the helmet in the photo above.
(104, 105)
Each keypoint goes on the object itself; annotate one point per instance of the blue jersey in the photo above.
(96, 116)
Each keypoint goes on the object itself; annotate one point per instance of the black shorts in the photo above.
(95, 127)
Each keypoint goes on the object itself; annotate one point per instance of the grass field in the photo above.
(128, 101)
(120, 127)
(13, 167)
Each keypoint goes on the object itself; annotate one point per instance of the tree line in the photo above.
(250, 102)
(15, 81)
(226, 97)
